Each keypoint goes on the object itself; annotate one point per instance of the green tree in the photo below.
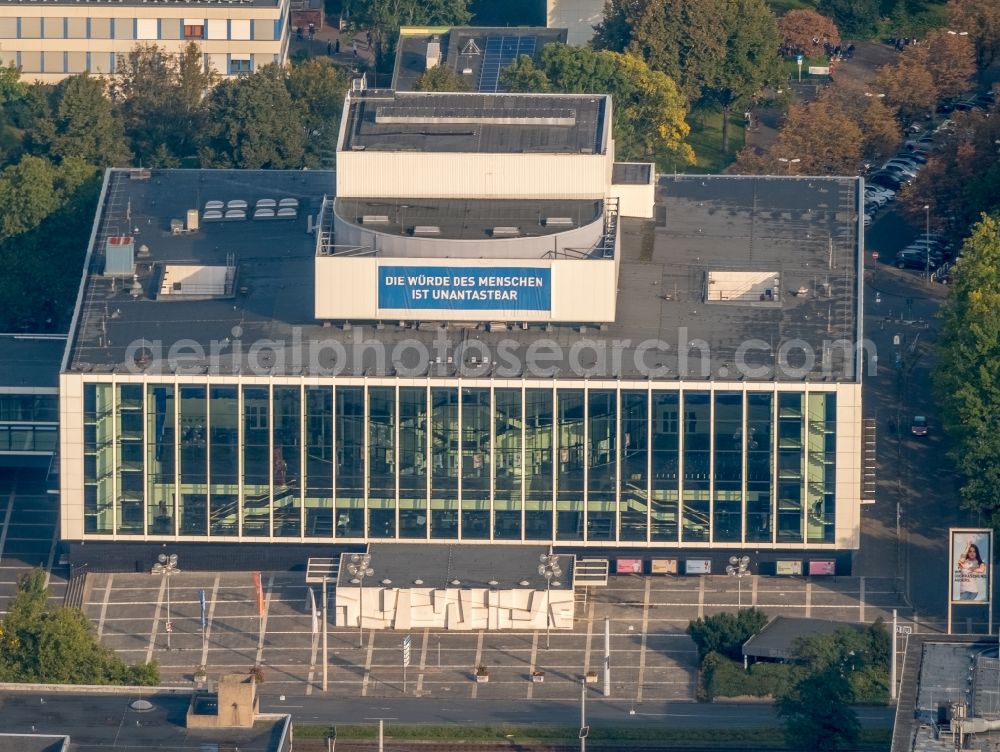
(720, 52)
(522, 75)
(725, 633)
(58, 646)
(967, 377)
(648, 110)
(384, 17)
(854, 18)
(256, 124)
(440, 78)
(85, 123)
(317, 88)
(817, 712)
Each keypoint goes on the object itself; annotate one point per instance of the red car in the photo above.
(919, 427)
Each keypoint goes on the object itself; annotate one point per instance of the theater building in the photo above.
(480, 329)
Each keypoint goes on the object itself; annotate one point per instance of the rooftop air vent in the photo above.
(375, 219)
(558, 221)
(507, 232)
(426, 230)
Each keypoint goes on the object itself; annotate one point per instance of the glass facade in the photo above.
(421, 462)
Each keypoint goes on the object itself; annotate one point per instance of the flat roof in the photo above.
(805, 229)
(105, 721)
(469, 219)
(777, 638)
(474, 566)
(482, 50)
(31, 361)
(431, 122)
(631, 173)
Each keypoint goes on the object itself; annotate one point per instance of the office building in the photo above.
(51, 40)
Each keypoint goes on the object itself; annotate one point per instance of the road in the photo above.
(600, 712)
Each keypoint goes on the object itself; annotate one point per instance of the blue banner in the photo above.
(470, 288)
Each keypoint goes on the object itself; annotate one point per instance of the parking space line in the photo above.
(156, 620)
(368, 662)
(861, 600)
(809, 599)
(104, 606)
(532, 666)
(701, 600)
(6, 517)
(479, 658)
(423, 661)
(590, 636)
(642, 644)
(263, 620)
(753, 590)
(210, 616)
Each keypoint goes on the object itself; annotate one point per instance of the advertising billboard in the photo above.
(788, 567)
(463, 288)
(663, 566)
(822, 567)
(971, 556)
(698, 566)
(629, 566)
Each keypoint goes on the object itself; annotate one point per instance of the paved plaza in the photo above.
(652, 658)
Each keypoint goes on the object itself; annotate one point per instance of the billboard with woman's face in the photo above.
(970, 565)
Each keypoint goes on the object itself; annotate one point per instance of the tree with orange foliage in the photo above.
(806, 31)
(908, 84)
(981, 20)
(951, 59)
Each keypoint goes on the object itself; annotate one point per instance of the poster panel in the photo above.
(698, 566)
(971, 554)
(629, 566)
(788, 567)
(663, 566)
(823, 567)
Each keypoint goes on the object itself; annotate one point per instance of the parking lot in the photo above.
(651, 656)
(29, 518)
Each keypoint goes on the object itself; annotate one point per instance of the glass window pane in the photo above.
(602, 468)
(160, 447)
(635, 465)
(444, 463)
(697, 448)
(286, 460)
(256, 462)
(507, 461)
(570, 459)
(727, 525)
(193, 499)
(790, 480)
(98, 462)
(476, 463)
(666, 466)
(760, 438)
(224, 470)
(821, 467)
(412, 462)
(538, 413)
(350, 475)
(318, 465)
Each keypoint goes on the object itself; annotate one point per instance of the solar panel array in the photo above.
(501, 52)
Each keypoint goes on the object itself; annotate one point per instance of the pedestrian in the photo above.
(354, 48)
(329, 48)
(336, 47)
(368, 36)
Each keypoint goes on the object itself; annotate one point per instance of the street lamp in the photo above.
(958, 33)
(789, 162)
(877, 96)
(548, 567)
(359, 568)
(739, 567)
(166, 565)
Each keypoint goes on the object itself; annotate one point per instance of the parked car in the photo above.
(919, 427)
(887, 180)
(904, 261)
(901, 168)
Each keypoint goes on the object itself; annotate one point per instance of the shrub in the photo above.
(721, 677)
(725, 633)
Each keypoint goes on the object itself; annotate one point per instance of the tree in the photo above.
(751, 60)
(967, 377)
(522, 75)
(951, 60)
(854, 18)
(908, 85)
(85, 123)
(648, 110)
(317, 88)
(799, 29)
(817, 712)
(880, 130)
(440, 78)
(981, 19)
(256, 124)
(725, 633)
(58, 646)
(384, 17)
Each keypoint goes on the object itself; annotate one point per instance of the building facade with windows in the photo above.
(379, 367)
(51, 40)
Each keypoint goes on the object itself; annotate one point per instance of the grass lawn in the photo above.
(871, 739)
(706, 140)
